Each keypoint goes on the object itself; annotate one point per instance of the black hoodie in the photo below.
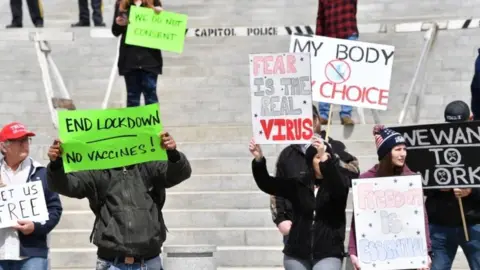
(291, 164)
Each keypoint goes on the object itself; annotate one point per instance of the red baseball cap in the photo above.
(13, 131)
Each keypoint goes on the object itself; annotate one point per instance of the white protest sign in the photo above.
(281, 97)
(348, 72)
(22, 202)
(390, 222)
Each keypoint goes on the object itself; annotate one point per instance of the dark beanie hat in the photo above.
(385, 140)
(457, 111)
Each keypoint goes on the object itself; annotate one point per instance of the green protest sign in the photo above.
(104, 139)
(163, 31)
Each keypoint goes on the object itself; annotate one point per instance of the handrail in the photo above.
(47, 82)
(113, 76)
(430, 36)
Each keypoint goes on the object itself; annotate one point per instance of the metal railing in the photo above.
(420, 70)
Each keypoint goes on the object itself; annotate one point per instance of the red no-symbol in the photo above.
(337, 71)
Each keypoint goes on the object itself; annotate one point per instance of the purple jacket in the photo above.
(352, 244)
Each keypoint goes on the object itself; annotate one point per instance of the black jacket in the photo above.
(443, 208)
(312, 237)
(134, 57)
(291, 164)
(128, 220)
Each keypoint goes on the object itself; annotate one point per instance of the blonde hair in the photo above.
(125, 4)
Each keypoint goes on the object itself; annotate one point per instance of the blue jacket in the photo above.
(35, 244)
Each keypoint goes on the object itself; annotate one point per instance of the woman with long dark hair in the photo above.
(319, 199)
(139, 65)
(392, 152)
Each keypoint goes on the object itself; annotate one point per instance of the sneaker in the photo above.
(323, 121)
(102, 24)
(347, 121)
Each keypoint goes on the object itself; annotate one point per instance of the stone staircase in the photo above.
(205, 104)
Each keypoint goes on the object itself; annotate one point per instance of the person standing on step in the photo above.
(319, 199)
(35, 7)
(84, 13)
(140, 66)
(337, 19)
(446, 227)
(475, 89)
(392, 153)
(24, 246)
(291, 164)
(129, 229)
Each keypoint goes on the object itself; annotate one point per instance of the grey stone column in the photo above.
(188, 257)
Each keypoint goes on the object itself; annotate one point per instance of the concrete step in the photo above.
(243, 133)
(227, 256)
(243, 165)
(240, 149)
(185, 218)
(186, 236)
(189, 218)
(255, 199)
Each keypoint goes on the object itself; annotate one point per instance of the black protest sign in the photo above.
(446, 155)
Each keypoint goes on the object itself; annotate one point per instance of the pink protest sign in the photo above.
(390, 222)
(281, 97)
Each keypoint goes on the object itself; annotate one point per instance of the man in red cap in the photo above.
(24, 246)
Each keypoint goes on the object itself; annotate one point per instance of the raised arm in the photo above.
(335, 179)
(117, 29)
(277, 186)
(76, 185)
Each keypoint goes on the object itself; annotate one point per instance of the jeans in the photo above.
(291, 263)
(345, 110)
(32, 263)
(152, 264)
(445, 242)
(141, 81)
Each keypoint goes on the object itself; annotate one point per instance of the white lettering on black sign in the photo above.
(446, 155)
(215, 32)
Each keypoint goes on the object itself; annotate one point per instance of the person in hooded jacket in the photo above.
(446, 228)
(139, 65)
(392, 152)
(291, 164)
(319, 200)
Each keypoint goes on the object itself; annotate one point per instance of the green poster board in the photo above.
(104, 139)
(163, 31)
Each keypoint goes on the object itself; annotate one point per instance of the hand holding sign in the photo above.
(462, 192)
(255, 149)
(157, 9)
(55, 150)
(121, 20)
(25, 226)
(167, 142)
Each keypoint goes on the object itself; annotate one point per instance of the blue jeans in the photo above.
(329, 263)
(152, 264)
(141, 81)
(32, 263)
(345, 110)
(445, 242)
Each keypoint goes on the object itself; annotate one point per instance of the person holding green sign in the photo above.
(129, 229)
(140, 66)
